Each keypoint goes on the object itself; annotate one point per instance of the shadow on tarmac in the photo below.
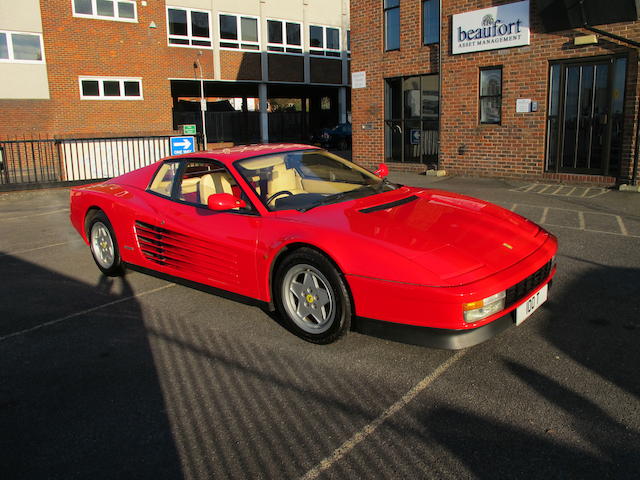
(134, 393)
(78, 402)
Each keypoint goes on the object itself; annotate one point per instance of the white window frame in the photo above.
(189, 35)
(239, 42)
(284, 43)
(115, 18)
(324, 42)
(101, 80)
(12, 58)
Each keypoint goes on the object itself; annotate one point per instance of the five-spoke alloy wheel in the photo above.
(312, 297)
(104, 246)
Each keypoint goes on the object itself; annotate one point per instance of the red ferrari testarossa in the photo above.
(324, 242)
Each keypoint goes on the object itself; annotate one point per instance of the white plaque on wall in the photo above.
(492, 28)
(358, 79)
(523, 105)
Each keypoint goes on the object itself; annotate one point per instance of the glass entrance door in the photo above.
(584, 123)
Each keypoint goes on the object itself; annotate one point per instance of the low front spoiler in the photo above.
(432, 337)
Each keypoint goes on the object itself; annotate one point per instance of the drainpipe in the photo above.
(633, 43)
(439, 84)
(634, 171)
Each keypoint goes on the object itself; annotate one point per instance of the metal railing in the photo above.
(41, 162)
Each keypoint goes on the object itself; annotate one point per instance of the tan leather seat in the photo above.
(283, 179)
(213, 183)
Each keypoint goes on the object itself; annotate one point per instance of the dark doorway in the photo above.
(411, 119)
(585, 116)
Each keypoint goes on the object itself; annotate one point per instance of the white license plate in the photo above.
(525, 310)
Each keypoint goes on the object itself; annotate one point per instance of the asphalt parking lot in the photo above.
(140, 378)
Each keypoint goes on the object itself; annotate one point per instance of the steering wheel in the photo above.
(278, 194)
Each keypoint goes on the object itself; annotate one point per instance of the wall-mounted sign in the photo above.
(523, 105)
(189, 129)
(358, 79)
(492, 28)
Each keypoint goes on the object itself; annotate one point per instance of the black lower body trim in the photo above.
(203, 288)
(432, 337)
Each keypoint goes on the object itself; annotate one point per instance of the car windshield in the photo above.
(306, 179)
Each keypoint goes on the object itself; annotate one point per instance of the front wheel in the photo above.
(312, 297)
(104, 246)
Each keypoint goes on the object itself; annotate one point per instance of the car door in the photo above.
(215, 248)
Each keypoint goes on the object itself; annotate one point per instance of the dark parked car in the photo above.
(337, 137)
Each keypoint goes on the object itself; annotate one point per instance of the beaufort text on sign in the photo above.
(180, 145)
(492, 28)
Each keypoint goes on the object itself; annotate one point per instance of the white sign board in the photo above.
(523, 105)
(492, 28)
(358, 79)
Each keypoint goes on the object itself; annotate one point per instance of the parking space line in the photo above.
(581, 220)
(17, 252)
(590, 230)
(544, 215)
(531, 187)
(361, 435)
(622, 226)
(513, 207)
(544, 189)
(34, 215)
(84, 312)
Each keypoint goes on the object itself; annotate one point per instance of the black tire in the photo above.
(99, 224)
(326, 321)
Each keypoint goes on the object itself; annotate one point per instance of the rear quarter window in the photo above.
(163, 180)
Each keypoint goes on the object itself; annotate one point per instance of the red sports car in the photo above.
(324, 242)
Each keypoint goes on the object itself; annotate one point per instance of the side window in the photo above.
(202, 179)
(163, 181)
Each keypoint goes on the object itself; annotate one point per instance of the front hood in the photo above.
(453, 239)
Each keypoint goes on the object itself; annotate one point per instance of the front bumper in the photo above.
(447, 339)
(441, 307)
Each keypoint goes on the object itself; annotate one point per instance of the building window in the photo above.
(188, 27)
(284, 36)
(491, 95)
(411, 119)
(239, 32)
(348, 43)
(430, 22)
(391, 24)
(324, 41)
(120, 10)
(18, 47)
(110, 88)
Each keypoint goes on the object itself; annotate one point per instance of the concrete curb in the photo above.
(629, 188)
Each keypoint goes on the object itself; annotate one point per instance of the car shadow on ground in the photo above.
(79, 398)
(595, 322)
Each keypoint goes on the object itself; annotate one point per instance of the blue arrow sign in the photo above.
(180, 145)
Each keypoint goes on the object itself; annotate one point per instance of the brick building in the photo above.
(124, 67)
(522, 89)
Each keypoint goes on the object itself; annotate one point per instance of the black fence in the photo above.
(244, 127)
(41, 162)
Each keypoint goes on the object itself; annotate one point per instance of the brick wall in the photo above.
(516, 148)
(240, 65)
(82, 46)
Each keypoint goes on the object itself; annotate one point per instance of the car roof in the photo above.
(240, 152)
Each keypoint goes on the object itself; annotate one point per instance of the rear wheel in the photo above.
(312, 297)
(104, 246)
